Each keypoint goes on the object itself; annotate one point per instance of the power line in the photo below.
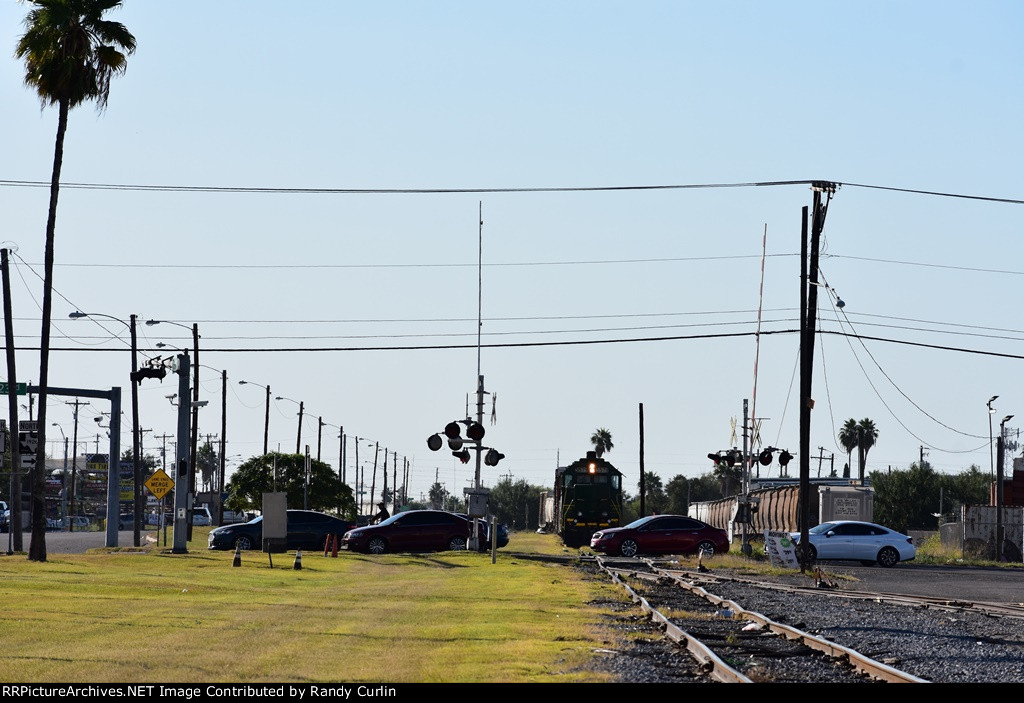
(10, 183)
(516, 345)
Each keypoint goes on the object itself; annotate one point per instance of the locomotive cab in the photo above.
(588, 498)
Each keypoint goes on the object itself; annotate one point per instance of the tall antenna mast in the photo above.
(479, 284)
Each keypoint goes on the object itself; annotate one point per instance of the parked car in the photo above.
(661, 534)
(413, 531)
(852, 540)
(307, 529)
(126, 521)
(502, 533)
(201, 516)
(80, 521)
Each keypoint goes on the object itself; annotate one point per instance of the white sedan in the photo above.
(865, 542)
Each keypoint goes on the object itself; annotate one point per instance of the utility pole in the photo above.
(14, 513)
(182, 471)
(643, 482)
(223, 444)
(195, 423)
(808, 312)
(745, 500)
(74, 461)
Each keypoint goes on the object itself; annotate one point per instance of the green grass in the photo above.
(119, 616)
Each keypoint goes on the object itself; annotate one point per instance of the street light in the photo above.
(266, 421)
(64, 493)
(195, 409)
(298, 436)
(136, 379)
(991, 461)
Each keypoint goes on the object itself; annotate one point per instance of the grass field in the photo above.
(138, 616)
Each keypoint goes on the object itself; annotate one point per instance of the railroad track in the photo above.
(730, 644)
(824, 587)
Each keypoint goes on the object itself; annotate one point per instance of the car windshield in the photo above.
(822, 528)
(641, 521)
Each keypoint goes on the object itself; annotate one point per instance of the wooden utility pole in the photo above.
(808, 312)
(643, 486)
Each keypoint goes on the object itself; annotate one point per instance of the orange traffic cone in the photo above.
(238, 556)
(298, 560)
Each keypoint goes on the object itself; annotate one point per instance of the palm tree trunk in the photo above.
(37, 548)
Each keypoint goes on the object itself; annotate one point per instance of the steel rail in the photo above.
(710, 662)
(992, 609)
(865, 664)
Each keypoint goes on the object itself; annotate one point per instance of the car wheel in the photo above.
(629, 548)
(707, 547)
(243, 542)
(888, 557)
(376, 545)
(457, 544)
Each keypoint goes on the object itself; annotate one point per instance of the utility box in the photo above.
(845, 503)
(275, 522)
(476, 500)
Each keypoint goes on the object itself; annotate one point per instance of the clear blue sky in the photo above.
(448, 95)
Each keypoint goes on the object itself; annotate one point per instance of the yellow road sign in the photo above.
(159, 484)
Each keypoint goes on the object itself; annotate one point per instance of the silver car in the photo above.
(852, 540)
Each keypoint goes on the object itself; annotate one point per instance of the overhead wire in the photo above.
(882, 400)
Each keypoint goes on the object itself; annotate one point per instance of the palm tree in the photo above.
(868, 437)
(849, 438)
(70, 55)
(602, 441)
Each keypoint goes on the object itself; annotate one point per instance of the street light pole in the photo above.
(1000, 451)
(195, 408)
(266, 419)
(991, 461)
(298, 436)
(136, 459)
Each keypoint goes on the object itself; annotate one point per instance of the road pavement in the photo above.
(76, 542)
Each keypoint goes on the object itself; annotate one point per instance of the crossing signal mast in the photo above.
(478, 495)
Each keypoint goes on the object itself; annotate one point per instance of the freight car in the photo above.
(587, 498)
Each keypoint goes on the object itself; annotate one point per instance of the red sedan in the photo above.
(661, 534)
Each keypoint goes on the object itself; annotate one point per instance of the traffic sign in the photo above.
(159, 484)
(21, 388)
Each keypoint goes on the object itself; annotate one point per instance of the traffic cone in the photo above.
(298, 560)
(238, 556)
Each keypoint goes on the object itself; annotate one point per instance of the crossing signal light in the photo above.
(492, 457)
(784, 458)
(148, 372)
(715, 458)
(765, 457)
(455, 443)
(462, 456)
(434, 441)
(452, 430)
(475, 432)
